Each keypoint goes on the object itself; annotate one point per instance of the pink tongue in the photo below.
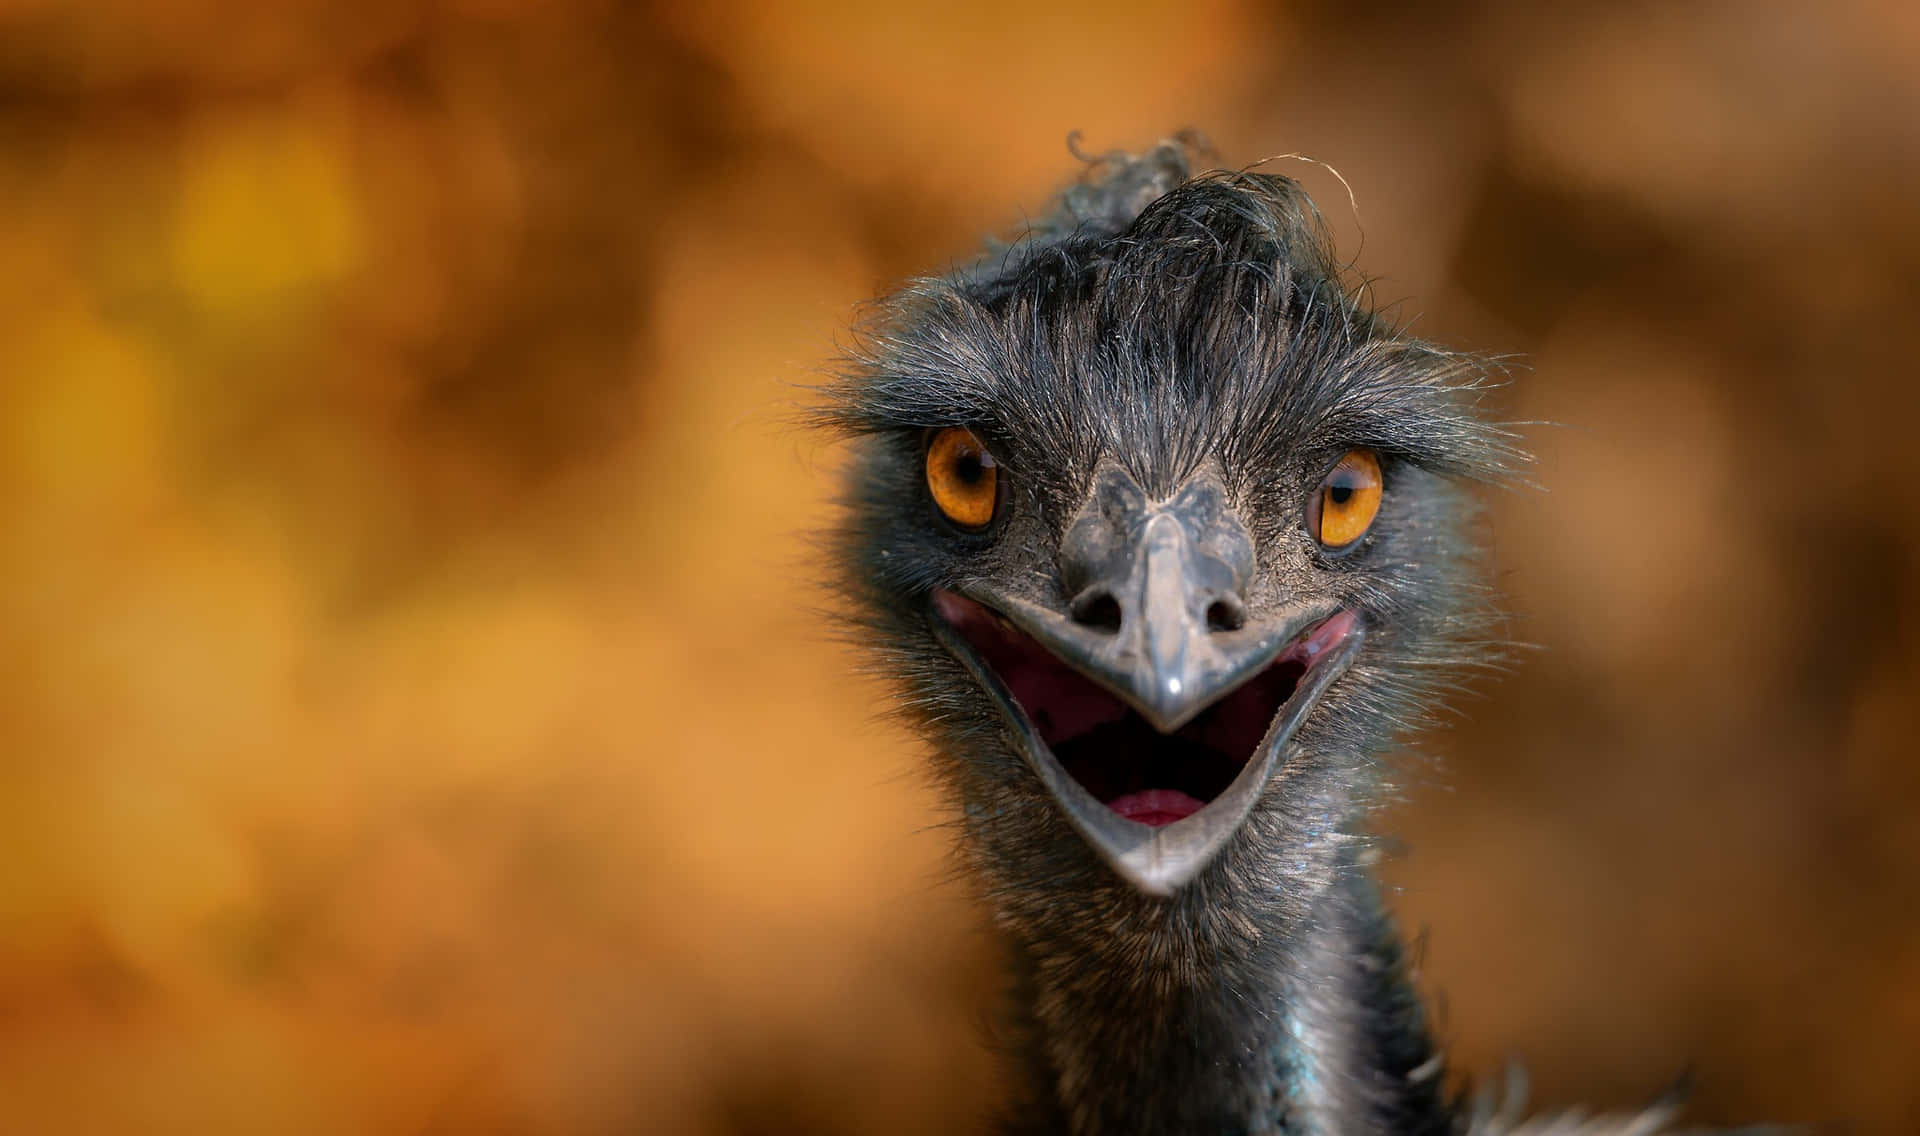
(1156, 806)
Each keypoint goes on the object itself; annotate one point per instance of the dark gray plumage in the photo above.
(1162, 374)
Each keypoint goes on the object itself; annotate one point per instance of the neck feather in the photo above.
(1292, 1017)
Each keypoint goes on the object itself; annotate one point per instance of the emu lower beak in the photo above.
(1160, 676)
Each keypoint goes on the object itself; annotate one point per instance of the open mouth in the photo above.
(1109, 748)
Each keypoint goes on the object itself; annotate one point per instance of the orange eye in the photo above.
(1344, 506)
(963, 477)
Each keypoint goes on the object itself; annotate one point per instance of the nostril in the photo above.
(1098, 610)
(1225, 615)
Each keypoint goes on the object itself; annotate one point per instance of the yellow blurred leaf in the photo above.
(266, 209)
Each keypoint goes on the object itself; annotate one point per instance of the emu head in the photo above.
(1161, 533)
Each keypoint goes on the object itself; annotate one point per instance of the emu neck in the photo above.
(1298, 1020)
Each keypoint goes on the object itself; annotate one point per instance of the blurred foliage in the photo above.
(417, 718)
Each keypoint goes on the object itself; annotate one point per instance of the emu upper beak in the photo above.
(1157, 621)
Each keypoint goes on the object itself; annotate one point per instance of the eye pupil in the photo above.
(1339, 494)
(968, 469)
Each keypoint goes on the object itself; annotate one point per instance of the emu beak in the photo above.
(1155, 708)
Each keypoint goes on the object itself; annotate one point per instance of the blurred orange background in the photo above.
(416, 714)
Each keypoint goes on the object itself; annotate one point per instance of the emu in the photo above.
(1166, 540)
